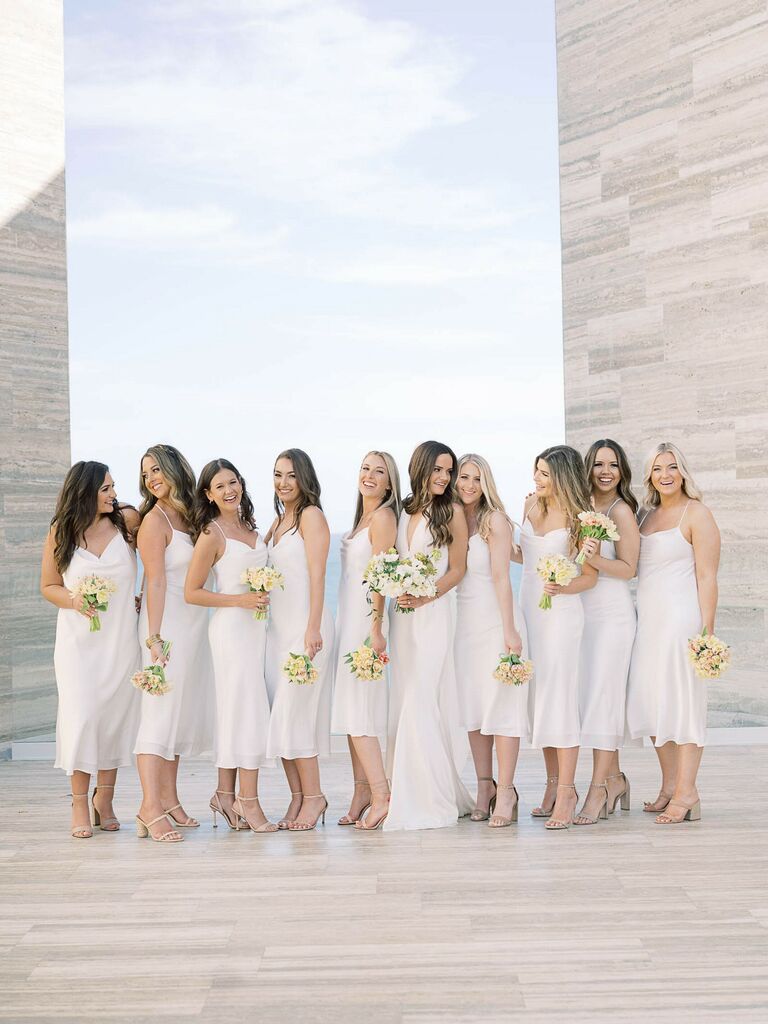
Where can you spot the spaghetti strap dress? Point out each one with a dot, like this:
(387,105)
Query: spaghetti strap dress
(666,699)
(98,711)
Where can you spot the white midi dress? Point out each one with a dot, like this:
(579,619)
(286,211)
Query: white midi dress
(300,722)
(606,650)
(98,709)
(426,746)
(180,722)
(666,699)
(238,645)
(554,644)
(359,707)
(487,705)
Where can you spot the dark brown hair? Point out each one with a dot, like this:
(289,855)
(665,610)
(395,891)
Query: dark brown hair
(306,478)
(205,510)
(438,508)
(180,476)
(76,509)
(624,488)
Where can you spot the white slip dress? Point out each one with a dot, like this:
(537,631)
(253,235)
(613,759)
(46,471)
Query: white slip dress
(300,722)
(98,711)
(606,650)
(666,699)
(238,645)
(180,722)
(359,707)
(554,644)
(487,705)
(426,746)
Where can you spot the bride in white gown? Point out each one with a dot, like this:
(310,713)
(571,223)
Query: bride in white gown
(426,746)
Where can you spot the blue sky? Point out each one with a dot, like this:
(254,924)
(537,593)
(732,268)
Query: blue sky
(315,223)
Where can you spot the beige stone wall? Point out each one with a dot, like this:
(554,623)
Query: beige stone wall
(34,382)
(664,194)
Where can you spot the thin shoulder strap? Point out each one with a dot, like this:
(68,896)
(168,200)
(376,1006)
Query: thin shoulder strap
(646,513)
(682,517)
(220,530)
(161,509)
(612,504)
(528,510)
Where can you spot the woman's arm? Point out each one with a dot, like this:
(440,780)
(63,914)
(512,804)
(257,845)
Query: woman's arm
(624,565)
(317,540)
(705,538)
(52,584)
(500,548)
(585,581)
(152,541)
(132,521)
(516,554)
(208,550)
(383,533)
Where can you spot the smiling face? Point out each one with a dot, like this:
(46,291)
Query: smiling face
(153,478)
(666,476)
(542,479)
(440,477)
(225,491)
(106,497)
(373,481)
(286,485)
(606,473)
(468,484)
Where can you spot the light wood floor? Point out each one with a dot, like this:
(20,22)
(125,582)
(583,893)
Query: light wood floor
(624,921)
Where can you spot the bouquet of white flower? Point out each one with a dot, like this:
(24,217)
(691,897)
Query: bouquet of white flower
(392,576)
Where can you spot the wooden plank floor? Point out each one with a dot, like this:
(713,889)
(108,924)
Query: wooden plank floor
(619,922)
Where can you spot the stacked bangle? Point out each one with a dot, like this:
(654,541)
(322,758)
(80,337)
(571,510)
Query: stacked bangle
(152,640)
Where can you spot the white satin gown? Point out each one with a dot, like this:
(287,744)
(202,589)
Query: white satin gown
(426,746)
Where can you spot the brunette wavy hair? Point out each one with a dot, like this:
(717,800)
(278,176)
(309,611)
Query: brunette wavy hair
(181,479)
(624,488)
(569,485)
(205,510)
(306,478)
(438,508)
(76,508)
(391,497)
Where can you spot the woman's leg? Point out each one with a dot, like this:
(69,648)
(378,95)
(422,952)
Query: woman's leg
(368,753)
(550,793)
(667,755)
(507,750)
(102,799)
(81,813)
(361,794)
(224,797)
(248,802)
(565,804)
(482,755)
(313,802)
(169,794)
(685,793)
(294,784)
(604,777)
(151,768)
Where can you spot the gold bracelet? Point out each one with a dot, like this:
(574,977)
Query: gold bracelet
(152,640)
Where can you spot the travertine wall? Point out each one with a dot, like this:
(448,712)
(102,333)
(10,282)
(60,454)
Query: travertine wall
(664,194)
(34,383)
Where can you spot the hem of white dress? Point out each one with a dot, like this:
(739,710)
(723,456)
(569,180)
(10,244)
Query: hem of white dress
(250,764)
(511,734)
(602,742)
(90,769)
(561,742)
(171,753)
(699,741)
(387,827)
(342,730)
(291,755)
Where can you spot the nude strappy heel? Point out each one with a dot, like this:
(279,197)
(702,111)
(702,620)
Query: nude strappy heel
(362,824)
(189,823)
(498,820)
(143,830)
(478,814)
(215,805)
(345,818)
(266,826)
(555,824)
(545,812)
(602,811)
(305,826)
(105,824)
(81,831)
(649,806)
(287,822)
(692,813)
(623,796)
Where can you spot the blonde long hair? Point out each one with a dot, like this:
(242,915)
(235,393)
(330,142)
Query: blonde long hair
(392,495)
(651,497)
(181,479)
(570,488)
(490,501)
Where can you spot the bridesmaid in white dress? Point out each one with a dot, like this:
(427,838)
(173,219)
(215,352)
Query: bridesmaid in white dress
(360,708)
(98,707)
(609,630)
(551,526)
(178,723)
(299,623)
(676,599)
(227,545)
(487,625)
(426,746)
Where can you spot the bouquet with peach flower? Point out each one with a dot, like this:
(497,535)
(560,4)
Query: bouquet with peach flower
(299,669)
(96,591)
(152,679)
(555,569)
(598,526)
(364,663)
(261,581)
(513,670)
(709,656)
